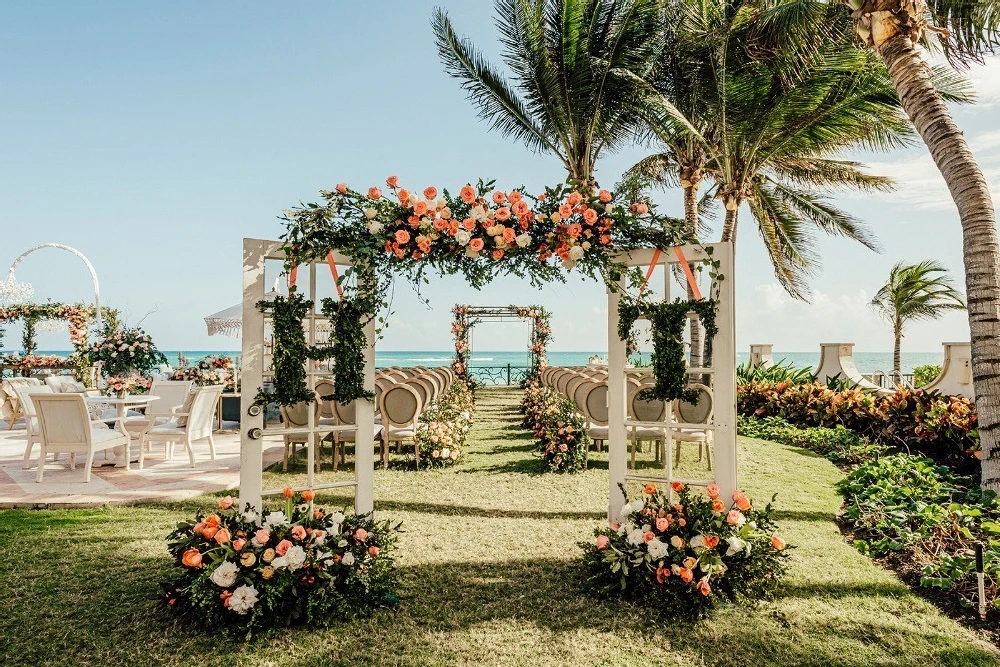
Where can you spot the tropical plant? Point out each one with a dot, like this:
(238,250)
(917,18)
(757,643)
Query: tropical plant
(782,371)
(924,374)
(580,75)
(913,292)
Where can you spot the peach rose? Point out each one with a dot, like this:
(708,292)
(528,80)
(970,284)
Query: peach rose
(662,523)
(677,542)
(662,574)
(509,235)
(502,213)
(686,575)
(317,514)
(209,532)
(519,207)
(283,547)
(499,197)
(198,527)
(404,196)
(718,505)
(476,244)
(574,229)
(239,543)
(734,517)
(223,536)
(373,551)
(440,224)
(498,254)
(213,521)
(360,535)
(467,194)
(514,197)
(392,182)
(420,208)
(574,199)
(342,188)
(565,210)
(778,543)
(262,536)
(374,193)
(703,587)
(468,224)
(402,236)
(605,239)
(191,558)
(603,542)
(226,502)
(590,215)
(604,196)
(648,536)
(288,492)
(299,533)
(713,490)
(743,503)
(711,541)
(308,495)
(430,192)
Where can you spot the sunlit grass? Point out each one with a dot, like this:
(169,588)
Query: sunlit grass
(487,579)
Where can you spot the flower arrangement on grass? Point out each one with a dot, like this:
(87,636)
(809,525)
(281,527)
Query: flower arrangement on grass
(132,384)
(126,351)
(686,555)
(444,427)
(461,327)
(242,572)
(559,427)
(541,334)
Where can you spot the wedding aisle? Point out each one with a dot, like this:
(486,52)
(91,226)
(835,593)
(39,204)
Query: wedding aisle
(486,578)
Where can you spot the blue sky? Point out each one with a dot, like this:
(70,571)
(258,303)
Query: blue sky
(155,136)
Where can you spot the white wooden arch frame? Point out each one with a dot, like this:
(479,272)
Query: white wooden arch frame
(257,252)
(722,371)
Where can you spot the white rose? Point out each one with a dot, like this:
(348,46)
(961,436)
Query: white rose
(370,213)
(295,556)
(585,245)
(440,201)
(275,519)
(568,264)
(523,240)
(697,542)
(469,252)
(609,208)
(225,575)
(478,213)
(736,545)
(657,549)
(376,227)
(348,559)
(635,537)
(576,253)
(336,518)
(243,599)
(463,237)
(251,516)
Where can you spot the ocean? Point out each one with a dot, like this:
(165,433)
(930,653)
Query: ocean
(867,362)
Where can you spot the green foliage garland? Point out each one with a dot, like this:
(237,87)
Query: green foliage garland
(348,317)
(668,321)
(290,350)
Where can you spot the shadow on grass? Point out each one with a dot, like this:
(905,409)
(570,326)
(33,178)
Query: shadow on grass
(803,515)
(485,512)
(889,589)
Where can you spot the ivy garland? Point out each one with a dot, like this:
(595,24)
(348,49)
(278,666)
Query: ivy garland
(348,317)
(290,351)
(667,322)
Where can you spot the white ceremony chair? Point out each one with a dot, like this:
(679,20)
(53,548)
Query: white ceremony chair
(171,396)
(698,412)
(401,407)
(27,409)
(188,427)
(297,416)
(643,410)
(347,416)
(66,428)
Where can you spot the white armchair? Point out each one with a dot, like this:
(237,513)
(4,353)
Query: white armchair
(187,427)
(171,396)
(27,408)
(66,428)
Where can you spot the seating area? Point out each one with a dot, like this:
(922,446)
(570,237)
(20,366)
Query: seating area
(401,396)
(649,423)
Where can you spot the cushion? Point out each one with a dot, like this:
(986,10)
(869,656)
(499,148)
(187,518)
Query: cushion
(72,387)
(186,408)
(170,428)
(105,436)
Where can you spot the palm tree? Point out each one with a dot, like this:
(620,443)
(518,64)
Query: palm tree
(964,30)
(914,292)
(579,75)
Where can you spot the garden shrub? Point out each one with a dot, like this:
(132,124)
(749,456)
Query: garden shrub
(559,427)
(686,555)
(925,374)
(838,444)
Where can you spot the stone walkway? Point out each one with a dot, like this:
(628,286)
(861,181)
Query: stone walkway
(159,481)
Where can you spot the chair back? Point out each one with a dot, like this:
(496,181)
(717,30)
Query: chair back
(596,403)
(171,394)
(400,405)
(325,387)
(199,424)
(424,388)
(697,412)
(24,393)
(647,410)
(64,421)
(346,413)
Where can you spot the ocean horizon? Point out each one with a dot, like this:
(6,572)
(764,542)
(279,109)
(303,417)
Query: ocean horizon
(867,362)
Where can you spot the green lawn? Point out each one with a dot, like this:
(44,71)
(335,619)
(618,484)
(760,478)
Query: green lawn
(487,579)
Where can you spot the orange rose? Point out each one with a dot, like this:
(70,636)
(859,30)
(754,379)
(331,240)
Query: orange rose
(213,521)
(476,244)
(703,587)
(288,492)
(226,502)
(318,514)
(420,208)
(778,543)
(467,194)
(590,215)
(342,188)
(374,193)
(198,527)
(605,239)
(520,207)
(430,193)
(404,196)
(662,523)
(224,596)
(373,551)
(424,243)
(649,489)
(574,230)
(453,227)
(686,575)
(392,181)
(299,533)
(498,197)
(191,558)
(565,210)
(440,224)
(498,254)
(718,505)
(743,503)
(209,532)
(509,235)
(574,199)
(402,237)
(604,196)
(662,574)
(223,536)
(502,213)
(677,487)
(308,495)
(514,197)
(468,224)
(648,536)
(283,547)
(711,541)
(239,543)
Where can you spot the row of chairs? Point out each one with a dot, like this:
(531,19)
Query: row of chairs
(587,388)
(401,396)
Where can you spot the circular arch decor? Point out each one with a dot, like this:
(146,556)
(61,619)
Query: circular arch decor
(78,316)
(481,234)
(467,317)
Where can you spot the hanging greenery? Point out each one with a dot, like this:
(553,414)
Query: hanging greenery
(667,321)
(348,317)
(290,351)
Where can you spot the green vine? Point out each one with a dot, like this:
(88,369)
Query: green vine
(348,317)
(667,321)
(290,351)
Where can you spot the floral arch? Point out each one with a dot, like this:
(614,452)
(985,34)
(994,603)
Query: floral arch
(365,238)
(465,318)
(78,316)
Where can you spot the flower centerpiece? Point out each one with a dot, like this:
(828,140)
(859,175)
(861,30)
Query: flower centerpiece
(687,554)
(126,352)
(240,572)
(122,386)
(210,371)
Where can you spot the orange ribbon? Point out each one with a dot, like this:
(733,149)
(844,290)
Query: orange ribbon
(333,272)
(649,272)
(292,276)
(692,283)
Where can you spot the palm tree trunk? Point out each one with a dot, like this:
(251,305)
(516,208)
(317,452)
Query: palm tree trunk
(897,364)
(691,223)
(911,77)
(729,227)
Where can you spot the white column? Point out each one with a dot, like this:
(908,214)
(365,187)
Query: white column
(617,443)
(724,363)
(364,492)
(251,449)
(761,354)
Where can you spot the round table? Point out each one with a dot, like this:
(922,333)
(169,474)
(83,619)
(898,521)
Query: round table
(121,404)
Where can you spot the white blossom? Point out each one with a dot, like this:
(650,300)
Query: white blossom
(225,574)
(635,537)
(576,253)
(736,545)
(376,227)
(348,559)
(657,549)
(275,519)
(370,213)
(523,240)
(463,237)
(243,599)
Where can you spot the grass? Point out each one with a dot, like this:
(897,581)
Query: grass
(487,579)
